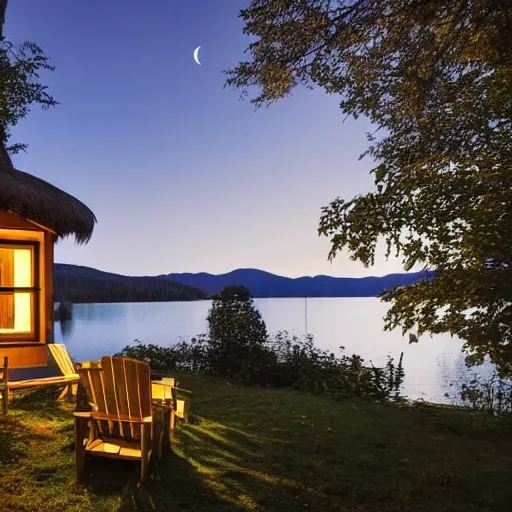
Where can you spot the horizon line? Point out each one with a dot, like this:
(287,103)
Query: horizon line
(245,269)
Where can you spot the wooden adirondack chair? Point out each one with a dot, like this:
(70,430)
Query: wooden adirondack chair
(121,424)
(69,377)
(180,405)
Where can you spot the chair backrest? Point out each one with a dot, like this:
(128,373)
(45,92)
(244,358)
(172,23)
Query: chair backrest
(127,387)
(170,381)
(120,387)
(61,356)
(164,388)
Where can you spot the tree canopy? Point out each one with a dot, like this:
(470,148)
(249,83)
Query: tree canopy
(435,79)
(236,335)
(20,87)
(233,320)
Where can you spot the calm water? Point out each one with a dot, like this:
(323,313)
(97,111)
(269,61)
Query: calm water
(432,366)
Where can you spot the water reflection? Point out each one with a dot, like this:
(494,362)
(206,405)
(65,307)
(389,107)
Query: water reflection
(356,323)
(66,329)
(63,318)
(102,313)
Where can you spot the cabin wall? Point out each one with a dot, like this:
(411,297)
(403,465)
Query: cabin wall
(26,354)
(49,240)
(10,221)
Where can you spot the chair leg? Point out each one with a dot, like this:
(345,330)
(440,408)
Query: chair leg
(145,444)
(159,420)
(167,433)
(69,392)
(5,400)
(186,408)
(172,421)
(80,435)
(64,393)
(6,373)
(182,408)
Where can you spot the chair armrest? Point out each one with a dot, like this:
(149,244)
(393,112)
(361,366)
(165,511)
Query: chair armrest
(158,383)
(85,414)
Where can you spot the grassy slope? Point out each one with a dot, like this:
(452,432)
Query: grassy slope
(250,449)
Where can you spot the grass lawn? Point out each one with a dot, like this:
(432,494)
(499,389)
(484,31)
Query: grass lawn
(253,449)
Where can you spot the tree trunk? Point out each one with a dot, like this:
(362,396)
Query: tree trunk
(3,7)
(5,160)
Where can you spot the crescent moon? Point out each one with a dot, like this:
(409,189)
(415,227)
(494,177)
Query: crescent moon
(196,55)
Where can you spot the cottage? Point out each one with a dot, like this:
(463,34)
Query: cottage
(33,215)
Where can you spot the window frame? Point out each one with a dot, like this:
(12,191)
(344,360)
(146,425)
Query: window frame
(34,334)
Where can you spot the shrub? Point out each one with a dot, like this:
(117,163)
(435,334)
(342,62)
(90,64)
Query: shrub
(285,361)
(159,358)
(237,336)
(303,366)
(191,356)
(490,394)
(238,347)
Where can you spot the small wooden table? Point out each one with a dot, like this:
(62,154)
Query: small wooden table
(181,406)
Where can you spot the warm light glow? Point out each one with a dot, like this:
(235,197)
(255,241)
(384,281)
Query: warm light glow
(22,312)
(22,277)
(22,267)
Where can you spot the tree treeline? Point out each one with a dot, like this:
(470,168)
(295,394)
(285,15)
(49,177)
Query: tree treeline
(85,285)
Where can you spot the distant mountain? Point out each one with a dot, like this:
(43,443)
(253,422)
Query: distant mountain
(264,284)
(83,284)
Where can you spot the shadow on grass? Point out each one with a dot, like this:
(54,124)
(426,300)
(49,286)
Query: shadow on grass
(14,439)
(173,485)
(212,467)
(251,471)
(43,402)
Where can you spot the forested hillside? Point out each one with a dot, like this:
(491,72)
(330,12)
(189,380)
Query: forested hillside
(83,284)
(264,284)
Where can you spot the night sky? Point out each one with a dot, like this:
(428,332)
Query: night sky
(182,176)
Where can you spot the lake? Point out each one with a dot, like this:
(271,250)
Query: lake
(432,367)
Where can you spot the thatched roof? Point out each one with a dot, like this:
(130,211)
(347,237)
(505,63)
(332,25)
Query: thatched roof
(36,200)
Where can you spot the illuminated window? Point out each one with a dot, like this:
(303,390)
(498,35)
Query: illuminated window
(19,292)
